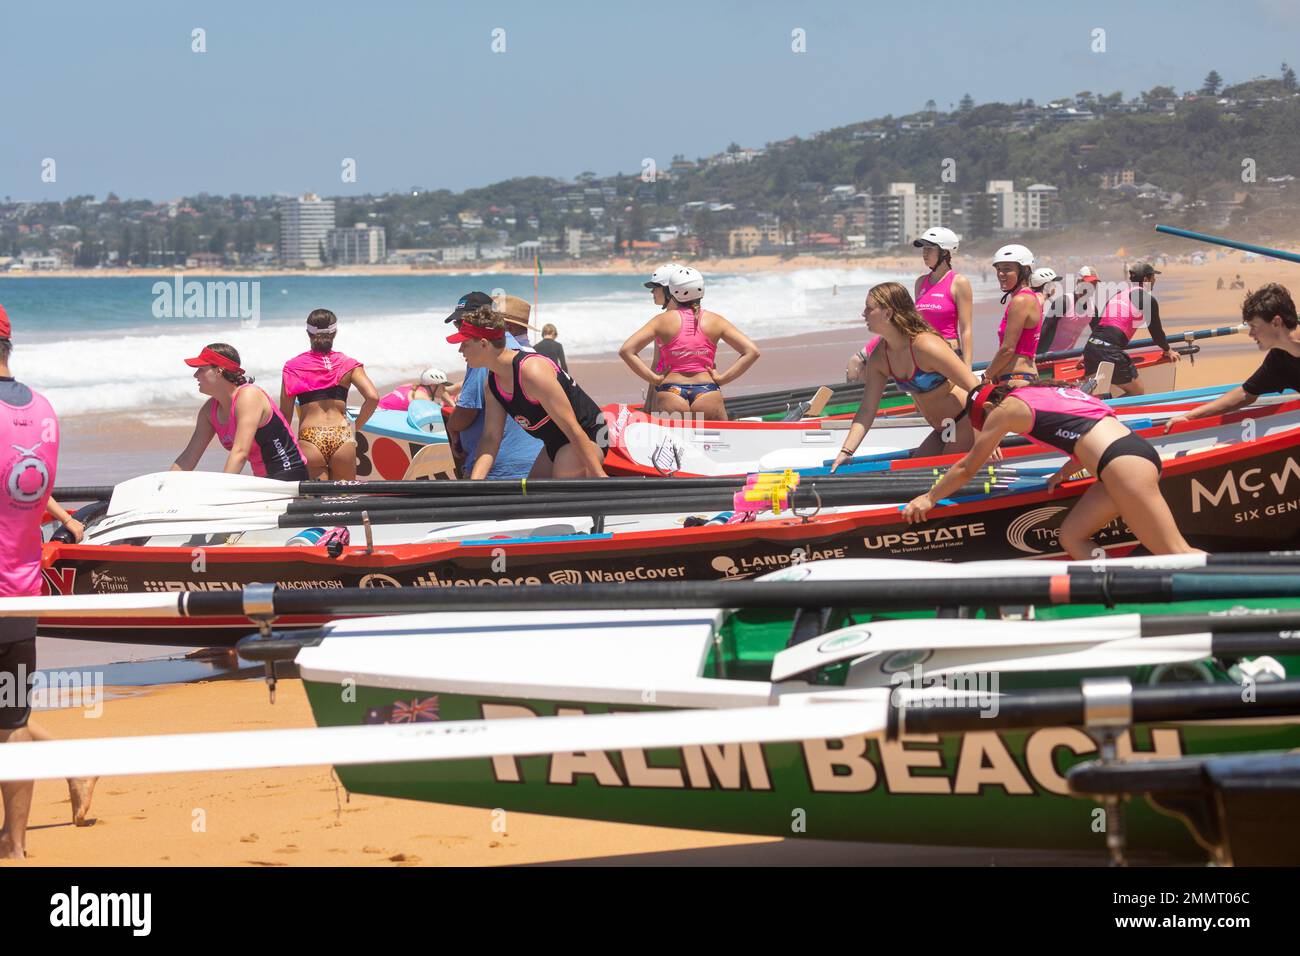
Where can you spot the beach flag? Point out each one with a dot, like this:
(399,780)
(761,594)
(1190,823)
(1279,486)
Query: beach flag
(537,263)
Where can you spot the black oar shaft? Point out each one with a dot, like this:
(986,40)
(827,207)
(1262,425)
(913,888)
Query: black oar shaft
(1067,707)
(910,594)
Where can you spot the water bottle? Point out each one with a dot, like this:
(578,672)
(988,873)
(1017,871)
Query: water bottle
(308,537)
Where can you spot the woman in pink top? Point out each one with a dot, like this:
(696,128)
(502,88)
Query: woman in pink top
(1022,320)
(243,418)
(943,296)
(688,340)
(318,380)
(1058,415)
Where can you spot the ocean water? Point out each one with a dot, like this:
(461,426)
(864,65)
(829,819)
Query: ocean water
(95,345)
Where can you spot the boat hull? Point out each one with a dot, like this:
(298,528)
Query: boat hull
(1002,789)
(1245,497)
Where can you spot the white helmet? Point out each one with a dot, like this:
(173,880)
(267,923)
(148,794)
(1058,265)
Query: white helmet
(939,236)
(686,285)
(1041,276)
(661,275)
(1014,253)
(433,376)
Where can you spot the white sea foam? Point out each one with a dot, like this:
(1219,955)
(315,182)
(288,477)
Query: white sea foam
(144,371)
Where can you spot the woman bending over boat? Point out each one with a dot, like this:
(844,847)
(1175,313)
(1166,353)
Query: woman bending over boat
(244,419)
(688,344)
(1022,320)
(1056,414)
(544,400)
(318,380)
(924,366)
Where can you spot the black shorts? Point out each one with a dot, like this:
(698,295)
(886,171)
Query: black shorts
(1107,345)
(17,668)
(1130,444)
(554,439)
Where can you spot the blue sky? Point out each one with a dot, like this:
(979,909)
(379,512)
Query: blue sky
(414,93)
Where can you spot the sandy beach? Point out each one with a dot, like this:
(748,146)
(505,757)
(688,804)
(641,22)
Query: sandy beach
(300,817)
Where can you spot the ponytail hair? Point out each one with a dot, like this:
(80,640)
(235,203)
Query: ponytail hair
(322,342)
(230,352)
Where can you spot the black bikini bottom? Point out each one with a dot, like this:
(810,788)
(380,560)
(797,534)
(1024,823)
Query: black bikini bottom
(1130,444)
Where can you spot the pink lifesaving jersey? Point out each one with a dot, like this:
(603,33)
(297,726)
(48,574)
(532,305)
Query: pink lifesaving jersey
(399,399)
(1061,415)
(29,452)
(690,350)
(312,372)
(1028,343)
(1069,326)
(937,306)
(274,448)
(1121,313)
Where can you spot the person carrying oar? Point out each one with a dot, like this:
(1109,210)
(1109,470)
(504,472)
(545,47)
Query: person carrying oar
(242,416)
(29,455)
(1270,317)
(1058,415)
(923,365)
(1022,320)
(543,400)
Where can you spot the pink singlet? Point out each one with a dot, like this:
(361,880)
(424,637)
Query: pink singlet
(1069,326)
(690,350)
(1121,313)
(1028,343)
(274,449)
(937,306)
(29,453)
(398,399)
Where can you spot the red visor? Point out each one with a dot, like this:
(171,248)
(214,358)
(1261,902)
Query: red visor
(5,330)
(209,357)
(465,331)
(977,400)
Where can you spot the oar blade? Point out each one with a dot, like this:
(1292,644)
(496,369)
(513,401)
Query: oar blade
(451,740)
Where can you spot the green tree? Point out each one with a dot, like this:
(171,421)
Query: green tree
(1288,79)
(1212,84)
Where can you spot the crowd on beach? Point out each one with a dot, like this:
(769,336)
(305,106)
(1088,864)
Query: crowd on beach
(518,412)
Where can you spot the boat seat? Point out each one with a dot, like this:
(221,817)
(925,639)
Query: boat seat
(431,462)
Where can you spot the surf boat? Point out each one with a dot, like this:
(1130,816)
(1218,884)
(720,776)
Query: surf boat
(1226,494)
(836,720)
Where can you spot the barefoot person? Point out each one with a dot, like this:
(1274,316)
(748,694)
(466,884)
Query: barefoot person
(1058,415)
(1270,317)
(924,366)
(532,390)
(29,454)
(1022,320)
(688,340)
(319,380)
(943,296)
(1124,313)
(243,418)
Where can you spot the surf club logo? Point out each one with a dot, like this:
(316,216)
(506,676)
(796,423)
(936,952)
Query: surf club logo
(843,641)
(28,478)
(209,300)
(1036,532)
(379,581)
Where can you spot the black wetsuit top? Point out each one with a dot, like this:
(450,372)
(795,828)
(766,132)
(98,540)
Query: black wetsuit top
(534,419)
